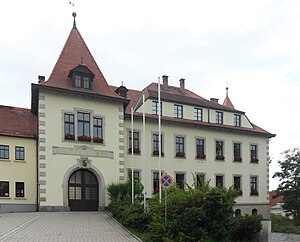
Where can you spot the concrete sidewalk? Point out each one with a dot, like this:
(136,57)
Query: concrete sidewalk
(62,226)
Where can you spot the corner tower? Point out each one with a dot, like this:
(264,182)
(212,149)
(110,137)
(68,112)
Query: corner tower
(80,131)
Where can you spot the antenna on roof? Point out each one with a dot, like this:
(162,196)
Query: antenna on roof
(74,23)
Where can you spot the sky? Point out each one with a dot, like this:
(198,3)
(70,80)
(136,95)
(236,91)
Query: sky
(253,47)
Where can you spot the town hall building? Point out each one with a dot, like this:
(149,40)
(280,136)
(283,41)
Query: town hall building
(77,139)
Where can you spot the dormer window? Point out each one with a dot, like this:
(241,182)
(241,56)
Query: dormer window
(82,77)
(82,81)
(77,81)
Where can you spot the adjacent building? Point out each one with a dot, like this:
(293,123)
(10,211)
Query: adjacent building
(18,160)
(80,140)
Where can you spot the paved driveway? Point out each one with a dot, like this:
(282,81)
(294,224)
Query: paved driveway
(62,226)
(281,237)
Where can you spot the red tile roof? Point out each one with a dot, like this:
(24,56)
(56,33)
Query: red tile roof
(18,122)
(76,52)
(274,201)
(173,94)
(227,102)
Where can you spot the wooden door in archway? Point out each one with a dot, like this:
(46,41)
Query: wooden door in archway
(83,191)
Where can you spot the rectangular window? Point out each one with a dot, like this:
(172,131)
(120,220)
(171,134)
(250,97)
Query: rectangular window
(77,81)
(178,111)
(4,189)
(237,152)
(20,189)
(156,145)
(219,180)
(97,130)
(136,142)
(20,153)
(69,126)
(200,179)
(237,120)
(219,117)
(86,82)
(136,176)
(198,114)
(180,146)
(84,127)
(200,153)
(155,107)
(180,180)
(220,150)
(253,151)
(253,186)
(4,152)
(237,184)
(156,178)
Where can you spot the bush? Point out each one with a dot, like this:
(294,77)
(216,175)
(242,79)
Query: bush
(121,207)
(195,214)
(283,224)
(246,228)
(203,214)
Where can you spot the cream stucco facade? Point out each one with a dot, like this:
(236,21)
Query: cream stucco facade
(190,166)
(18,170)
(59,158)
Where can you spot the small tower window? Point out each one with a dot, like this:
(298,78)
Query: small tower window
(77,81)
(81,77)
(86,82)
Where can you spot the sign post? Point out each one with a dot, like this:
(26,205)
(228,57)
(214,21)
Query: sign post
(166,182)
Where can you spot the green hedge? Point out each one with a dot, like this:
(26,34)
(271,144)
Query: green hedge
(283,224)
(195,214)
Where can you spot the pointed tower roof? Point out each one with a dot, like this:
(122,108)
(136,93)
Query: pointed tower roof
(76,53)
(227,102)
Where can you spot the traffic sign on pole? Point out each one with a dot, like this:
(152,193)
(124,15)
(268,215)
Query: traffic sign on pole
(166,181)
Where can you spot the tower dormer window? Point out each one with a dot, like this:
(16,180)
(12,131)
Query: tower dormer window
(82,81)
(77,81)
(81,77)
(86,82)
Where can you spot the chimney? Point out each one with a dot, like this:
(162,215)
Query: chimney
(182,88)
(41,79)
(215,100)
(165,83)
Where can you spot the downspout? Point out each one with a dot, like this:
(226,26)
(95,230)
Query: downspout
(208,118)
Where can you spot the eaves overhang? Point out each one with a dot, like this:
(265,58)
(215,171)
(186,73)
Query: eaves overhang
(21,135)
(201,125)
(35,90)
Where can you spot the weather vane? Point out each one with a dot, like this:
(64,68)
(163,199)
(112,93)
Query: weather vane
(72,3)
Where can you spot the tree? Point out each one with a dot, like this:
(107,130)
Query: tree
(289,187)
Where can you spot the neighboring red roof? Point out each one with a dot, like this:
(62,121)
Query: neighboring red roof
(274,201)
(18,122)
(76,52)
(173,94)
(227,102)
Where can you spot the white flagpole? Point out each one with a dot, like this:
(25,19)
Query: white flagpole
(144,152)
(132,180)
(159,136)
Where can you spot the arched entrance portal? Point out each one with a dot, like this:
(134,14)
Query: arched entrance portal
(83,191)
